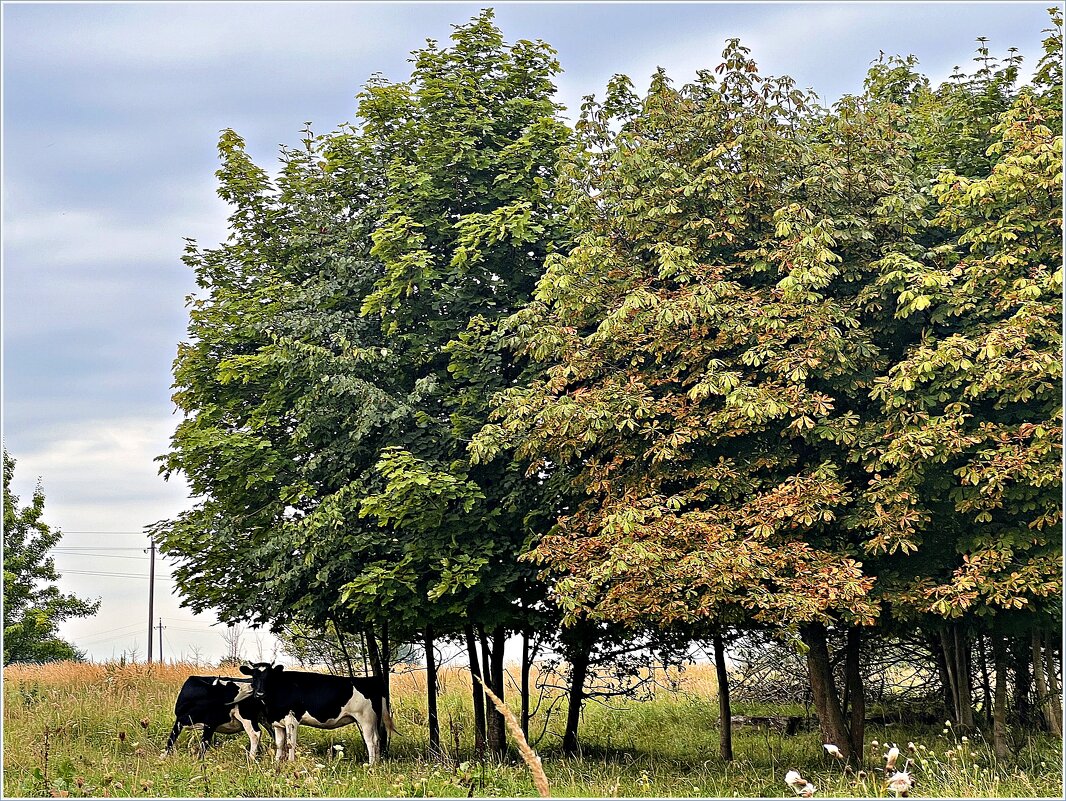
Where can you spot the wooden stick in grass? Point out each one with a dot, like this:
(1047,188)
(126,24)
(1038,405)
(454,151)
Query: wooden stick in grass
(529,756)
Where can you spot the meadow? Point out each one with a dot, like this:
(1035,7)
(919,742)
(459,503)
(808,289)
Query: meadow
(88,730)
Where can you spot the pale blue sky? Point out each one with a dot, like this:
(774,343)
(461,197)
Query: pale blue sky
(111,116)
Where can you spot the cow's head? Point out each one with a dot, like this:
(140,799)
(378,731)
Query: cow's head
(261,673)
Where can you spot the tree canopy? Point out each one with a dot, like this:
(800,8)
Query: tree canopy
(718,356)
(33,604)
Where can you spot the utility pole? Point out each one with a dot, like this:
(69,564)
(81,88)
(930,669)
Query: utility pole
(151,602)
(161,641)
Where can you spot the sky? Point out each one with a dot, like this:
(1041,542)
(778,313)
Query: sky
(111,115)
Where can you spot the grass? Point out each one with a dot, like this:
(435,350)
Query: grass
(74,730)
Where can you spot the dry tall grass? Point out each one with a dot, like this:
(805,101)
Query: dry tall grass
(82,730)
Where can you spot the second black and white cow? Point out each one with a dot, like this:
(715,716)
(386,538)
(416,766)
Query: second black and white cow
(217,704)
(291,697)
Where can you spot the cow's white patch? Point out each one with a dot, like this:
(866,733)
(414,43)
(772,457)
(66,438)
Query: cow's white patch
(356,708)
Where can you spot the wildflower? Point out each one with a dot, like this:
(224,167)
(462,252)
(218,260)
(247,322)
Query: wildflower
(808,790)
(891,757)
(965,739)
(912,747)
(874,744)
(144,723)
(122,736)
(794,780)
(832,750)
(900,783)
(947,723)
(339,748)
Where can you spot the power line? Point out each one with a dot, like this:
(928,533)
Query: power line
(108,631)
(122,533)
(97,555)
(114,575)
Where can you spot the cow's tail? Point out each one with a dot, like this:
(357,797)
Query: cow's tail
(386,718)
(173,738)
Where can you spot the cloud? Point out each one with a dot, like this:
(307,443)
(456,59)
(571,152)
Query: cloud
(99,474)
(177,35)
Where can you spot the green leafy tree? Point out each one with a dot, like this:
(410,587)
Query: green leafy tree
(704,366)
(343,350)
(33,604)
(731,368)
(469,217)
(967,457)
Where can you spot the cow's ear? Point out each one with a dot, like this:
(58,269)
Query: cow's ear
(278,668)
(246,670)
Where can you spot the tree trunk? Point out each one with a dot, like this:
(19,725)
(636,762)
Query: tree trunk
(965,675)
(386,661)
(1023,682)
(433,721)
(374,654)
(1041,682)
(580,666)
(478,692)
(525,684)
(956,656)
(986,681)
(1054,695)
(823,690)
(999,709)
(494,674)
(936,646)
(856,693)
(499,679)
(344,648)
(378,671)
(725,715)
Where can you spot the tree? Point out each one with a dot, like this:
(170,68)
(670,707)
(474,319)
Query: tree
(969,444)
(699,357)
(469,218)
(740,365)
(33,605)
(343,351)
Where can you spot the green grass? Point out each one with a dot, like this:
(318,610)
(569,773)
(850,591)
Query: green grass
(77,730)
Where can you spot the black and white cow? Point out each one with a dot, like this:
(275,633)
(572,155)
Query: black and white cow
(321,700)
(217,704)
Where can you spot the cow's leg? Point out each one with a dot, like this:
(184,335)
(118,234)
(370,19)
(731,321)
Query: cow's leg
(291,725)
(173,738)
(279,739)
(251,728)
(368,726)
(205,742)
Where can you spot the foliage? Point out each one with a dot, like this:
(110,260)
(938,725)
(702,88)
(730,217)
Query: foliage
(33,604)
(703,358)
(344,350)
(797,377)
(968,447)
